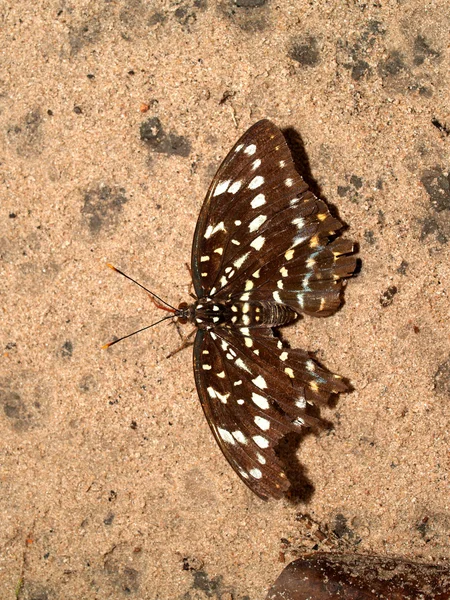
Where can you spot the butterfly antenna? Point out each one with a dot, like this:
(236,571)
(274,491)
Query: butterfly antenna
(135,332)
(152,295)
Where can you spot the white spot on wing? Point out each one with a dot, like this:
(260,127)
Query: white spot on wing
(235,187)
(260,382)
(284,356)
(262,423)
(299,222)
(299,239)
(241,364)
(212,230)
(258,200)
(256,223)
(260,401)
(250,150)
(261,441)
(241,260)
(300,402)
(239,148)
(239,436)
(222,397)
(288,182)
(260,458)
(256,164)
(226,436)
(204,258)
(258,243)
(221,187)
(206,367)
(289,254)
(256,182)
(276,297)
(256,473)
(310,366)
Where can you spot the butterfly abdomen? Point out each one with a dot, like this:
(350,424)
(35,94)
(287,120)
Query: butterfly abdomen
(210,314)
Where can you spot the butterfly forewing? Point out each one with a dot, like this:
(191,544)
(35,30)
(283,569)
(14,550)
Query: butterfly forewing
(263,237)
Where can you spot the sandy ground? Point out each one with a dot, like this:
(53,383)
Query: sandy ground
(111,483)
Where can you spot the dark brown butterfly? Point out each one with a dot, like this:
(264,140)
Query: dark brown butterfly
(262,255)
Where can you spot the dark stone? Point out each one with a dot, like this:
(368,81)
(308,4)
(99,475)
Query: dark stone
(369,237)
(392,66)
(360,69)
(155,19)
(152,132)
(109,519)
(67,349)
(437,185)
(442,128)
(387,297)
(250,3)
(402,268)
(102,205)
(356,182)
(422,50)
(305,51)
(342,190)
(442,378)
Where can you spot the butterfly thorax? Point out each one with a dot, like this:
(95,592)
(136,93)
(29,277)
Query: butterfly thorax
(207,313)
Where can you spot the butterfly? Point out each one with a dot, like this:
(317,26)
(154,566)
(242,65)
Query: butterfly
(264,253)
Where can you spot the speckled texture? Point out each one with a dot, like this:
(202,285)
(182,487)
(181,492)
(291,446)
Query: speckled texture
(111,484)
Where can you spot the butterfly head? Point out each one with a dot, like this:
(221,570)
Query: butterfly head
(185,313)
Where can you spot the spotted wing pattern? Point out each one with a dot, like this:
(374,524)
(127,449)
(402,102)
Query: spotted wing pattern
(263,232)
(262,236)
(256,392)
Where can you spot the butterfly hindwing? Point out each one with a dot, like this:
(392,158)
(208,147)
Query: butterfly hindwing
(254,391)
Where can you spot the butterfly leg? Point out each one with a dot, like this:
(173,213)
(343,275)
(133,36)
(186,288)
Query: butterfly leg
(187,341)
(191,285)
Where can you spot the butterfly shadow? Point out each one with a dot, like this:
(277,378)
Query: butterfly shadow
(300,157)
(302,489)
(302,164)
